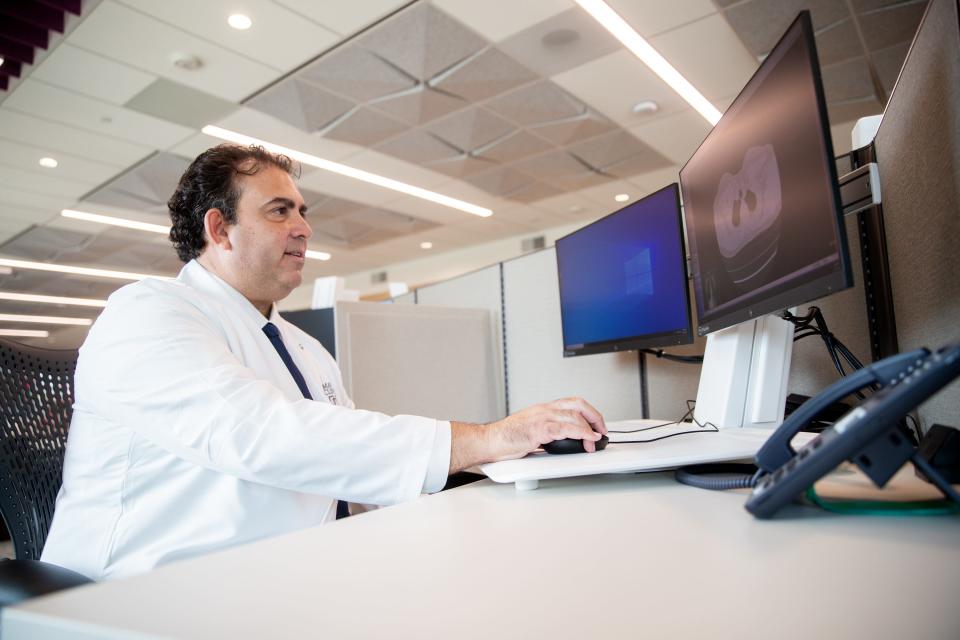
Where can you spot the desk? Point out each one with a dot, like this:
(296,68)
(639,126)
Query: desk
(615,556)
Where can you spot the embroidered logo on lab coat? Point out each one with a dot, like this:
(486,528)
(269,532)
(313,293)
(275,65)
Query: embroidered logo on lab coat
(329,391)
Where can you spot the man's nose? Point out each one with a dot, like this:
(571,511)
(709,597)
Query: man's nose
(302,228)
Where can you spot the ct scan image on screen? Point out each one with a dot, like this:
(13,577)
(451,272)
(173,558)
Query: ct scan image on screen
(759,194)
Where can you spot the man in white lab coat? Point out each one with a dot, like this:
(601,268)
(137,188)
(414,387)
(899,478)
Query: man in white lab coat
(204,420)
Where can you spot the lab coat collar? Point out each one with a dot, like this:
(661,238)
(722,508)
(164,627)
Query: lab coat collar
(196,276)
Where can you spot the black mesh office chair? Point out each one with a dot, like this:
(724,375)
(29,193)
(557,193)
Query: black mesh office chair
(36,403)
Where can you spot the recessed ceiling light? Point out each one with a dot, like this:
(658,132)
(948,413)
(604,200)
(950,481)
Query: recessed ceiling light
(645,107)
(9,317)
(426,245)
(49,163)
(350,172)
(637,45)
(80,271)
(117,222)
(24,333)
(32,297)
(621,197)
(186,61)
(240,22)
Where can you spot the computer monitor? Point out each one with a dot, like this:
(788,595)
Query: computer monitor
(764,230)
(760,196)
(623,279)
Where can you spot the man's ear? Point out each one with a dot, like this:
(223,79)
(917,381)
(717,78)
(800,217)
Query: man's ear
(215,229)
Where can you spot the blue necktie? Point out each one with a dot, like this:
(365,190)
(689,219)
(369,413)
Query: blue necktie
(274,334)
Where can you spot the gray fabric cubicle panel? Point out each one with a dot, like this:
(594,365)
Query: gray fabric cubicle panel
(671,384)
(475,290)
(918,153)
(418,360)
(811,369)
(535,367)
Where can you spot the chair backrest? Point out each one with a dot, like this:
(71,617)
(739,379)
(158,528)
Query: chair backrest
(36,404)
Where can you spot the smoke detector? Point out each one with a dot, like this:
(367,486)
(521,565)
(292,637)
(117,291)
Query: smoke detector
(645,107)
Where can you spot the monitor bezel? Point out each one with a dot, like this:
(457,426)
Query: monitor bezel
(641,341)
(823,286)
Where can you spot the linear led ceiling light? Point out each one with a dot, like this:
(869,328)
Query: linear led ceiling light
(147,226)
(24,333)
(80,271)
(117,222)
(350,172)
(9,317)
(637,45)
(32,297)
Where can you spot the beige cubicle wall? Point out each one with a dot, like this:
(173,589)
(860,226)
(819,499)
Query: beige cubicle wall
(479,289)
(536,369)
(418,360)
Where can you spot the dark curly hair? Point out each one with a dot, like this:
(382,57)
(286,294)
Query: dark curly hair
(210,183)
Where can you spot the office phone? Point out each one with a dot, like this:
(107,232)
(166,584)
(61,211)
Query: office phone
(870,435)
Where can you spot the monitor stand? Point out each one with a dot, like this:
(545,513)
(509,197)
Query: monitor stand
(743,382)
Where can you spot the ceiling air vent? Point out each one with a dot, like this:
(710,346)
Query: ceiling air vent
(533,244)
(378,278)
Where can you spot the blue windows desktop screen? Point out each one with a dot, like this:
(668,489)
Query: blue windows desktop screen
(623,279)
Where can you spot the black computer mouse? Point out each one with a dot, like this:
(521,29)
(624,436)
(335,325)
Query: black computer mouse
(573,445)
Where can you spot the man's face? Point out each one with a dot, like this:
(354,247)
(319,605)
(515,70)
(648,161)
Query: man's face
(268,243)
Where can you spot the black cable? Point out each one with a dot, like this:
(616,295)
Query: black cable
(688,414)
(719,477)
(660,353)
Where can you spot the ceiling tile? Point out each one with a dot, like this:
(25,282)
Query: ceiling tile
(461,165)
(260,125)
(364,127)
(501,181)
(357,73)
(422,41)
(562,42)
(301,104)
(534,192)
(272,24)
(418,146)
(181,104)
(615,83)
(486,74)
(91,74)
(48,102)
(487,17)
(419,104)
(570,130)
(885,27)
(145,187)
(709,54)
(13,199)
(613,149)
(656,180)
(848,80)
(395,168)
(651,17)
(57,137)
(888,63)
(537,103)
(838,42)
(675,136)
(148,44)
(344,17)
(515,146)
(49,185)
(471,128)
(69,167)
(760,23)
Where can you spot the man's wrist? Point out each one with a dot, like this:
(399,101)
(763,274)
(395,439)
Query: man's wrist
(469,445)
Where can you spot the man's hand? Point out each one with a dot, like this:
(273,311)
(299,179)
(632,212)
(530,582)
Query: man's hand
(517,435)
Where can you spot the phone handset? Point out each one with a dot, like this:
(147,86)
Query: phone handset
(777,451)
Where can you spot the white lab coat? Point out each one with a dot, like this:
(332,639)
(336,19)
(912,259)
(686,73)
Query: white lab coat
(190,435)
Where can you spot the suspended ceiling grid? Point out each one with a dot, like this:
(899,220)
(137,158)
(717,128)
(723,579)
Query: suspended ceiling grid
(439,94)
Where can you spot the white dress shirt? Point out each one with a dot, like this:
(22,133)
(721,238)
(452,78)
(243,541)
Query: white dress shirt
(189,434)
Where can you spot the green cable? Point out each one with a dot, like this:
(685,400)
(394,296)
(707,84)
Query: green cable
(884,508)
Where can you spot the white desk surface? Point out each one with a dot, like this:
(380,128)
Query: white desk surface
(611,556)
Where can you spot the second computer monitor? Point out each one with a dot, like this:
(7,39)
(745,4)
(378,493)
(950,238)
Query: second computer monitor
(623,279)
(760,199)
